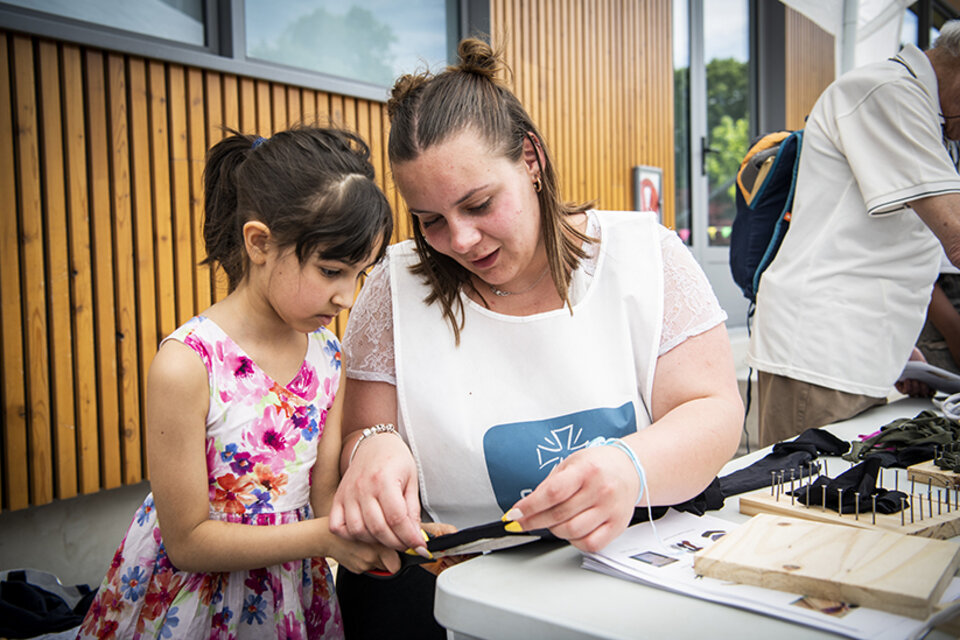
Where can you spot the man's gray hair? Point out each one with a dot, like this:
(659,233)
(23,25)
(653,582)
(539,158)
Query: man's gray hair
(949,38)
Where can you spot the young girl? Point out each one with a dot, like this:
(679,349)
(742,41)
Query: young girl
(243,418)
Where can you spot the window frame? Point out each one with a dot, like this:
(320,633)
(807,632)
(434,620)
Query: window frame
(225,49)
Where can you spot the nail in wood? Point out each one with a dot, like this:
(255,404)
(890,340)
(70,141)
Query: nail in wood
(856,505)
(874,499)
(840,502)
(902,516)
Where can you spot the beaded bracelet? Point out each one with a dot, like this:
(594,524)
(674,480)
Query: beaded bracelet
(372,431)
(620,444)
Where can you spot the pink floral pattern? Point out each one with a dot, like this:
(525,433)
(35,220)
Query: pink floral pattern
(261,447)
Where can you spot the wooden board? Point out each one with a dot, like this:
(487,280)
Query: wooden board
(891,572)
(925,472)
(942,524)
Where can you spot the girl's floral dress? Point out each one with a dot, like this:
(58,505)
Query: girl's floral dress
(261,446)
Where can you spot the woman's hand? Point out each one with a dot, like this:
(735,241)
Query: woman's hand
(587,499)
(378,498)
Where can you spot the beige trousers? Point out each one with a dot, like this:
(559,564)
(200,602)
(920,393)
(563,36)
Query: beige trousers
(788,407)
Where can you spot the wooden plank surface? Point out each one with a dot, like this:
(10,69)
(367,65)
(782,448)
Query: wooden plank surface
(125,273)
(81,271)
(57,255)
(151,152)
(197,149)
(891,572)
(40,451)
(179,169)
(14,479)
(105,329)
(928,472)
(150,224)
(930,519)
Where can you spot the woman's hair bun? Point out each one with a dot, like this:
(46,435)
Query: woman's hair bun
(478,57)
(403,89)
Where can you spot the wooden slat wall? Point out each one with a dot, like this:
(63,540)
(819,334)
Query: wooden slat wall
(809,66)
(597,78)
(101,157)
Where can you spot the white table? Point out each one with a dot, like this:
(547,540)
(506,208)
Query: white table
(542,592)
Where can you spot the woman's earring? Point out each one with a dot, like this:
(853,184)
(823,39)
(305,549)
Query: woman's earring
(537,185)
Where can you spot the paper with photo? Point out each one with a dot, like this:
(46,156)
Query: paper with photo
(663,558)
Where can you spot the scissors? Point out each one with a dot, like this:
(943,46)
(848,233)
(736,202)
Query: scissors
(492,536)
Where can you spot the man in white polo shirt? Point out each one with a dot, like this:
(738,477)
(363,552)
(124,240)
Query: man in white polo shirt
(840,308)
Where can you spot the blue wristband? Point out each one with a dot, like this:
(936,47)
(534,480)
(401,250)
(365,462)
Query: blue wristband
(620,444)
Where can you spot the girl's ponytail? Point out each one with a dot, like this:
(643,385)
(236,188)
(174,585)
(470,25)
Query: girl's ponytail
(314,188)
(222,222)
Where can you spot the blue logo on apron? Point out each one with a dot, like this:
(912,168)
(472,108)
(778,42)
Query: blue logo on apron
(519,455)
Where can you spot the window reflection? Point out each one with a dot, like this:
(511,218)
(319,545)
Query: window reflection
(726,51)
(178,20)
(368,40)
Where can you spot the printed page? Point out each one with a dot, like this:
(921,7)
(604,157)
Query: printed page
(934,377)
(661,556)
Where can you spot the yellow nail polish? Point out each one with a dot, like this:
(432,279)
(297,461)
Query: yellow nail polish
(426,536)
(513,527)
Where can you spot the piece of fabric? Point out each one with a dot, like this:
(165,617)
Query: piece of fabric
(689,307)
(787,407)
(844,300)
(794,459)
(855,490)
(399,607)
(261,443)
(28,609)
(487,419)
(916,438)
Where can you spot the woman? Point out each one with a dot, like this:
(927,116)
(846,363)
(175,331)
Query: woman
(513,330)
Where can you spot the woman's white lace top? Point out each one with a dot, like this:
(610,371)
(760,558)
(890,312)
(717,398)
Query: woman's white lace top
(690,307)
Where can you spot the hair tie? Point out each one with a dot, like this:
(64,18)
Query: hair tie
(257,142)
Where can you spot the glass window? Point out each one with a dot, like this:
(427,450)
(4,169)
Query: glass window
(372,41)
(909,28)
(681,119)
(178,20)
(726,46)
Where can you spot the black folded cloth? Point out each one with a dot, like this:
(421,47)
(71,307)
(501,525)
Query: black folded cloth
(795,455)
(28,610)
(858,484)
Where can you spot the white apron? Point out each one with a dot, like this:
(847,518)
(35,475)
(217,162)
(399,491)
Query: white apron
(487,420)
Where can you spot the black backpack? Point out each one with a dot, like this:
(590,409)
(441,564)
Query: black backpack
(765,187)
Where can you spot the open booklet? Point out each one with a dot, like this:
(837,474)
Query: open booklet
(663,558)
(934,377)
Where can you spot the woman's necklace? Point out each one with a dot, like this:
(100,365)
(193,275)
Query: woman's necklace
(502,293)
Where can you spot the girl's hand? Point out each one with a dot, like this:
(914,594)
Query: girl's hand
(587,499)
(378,497)
(360,556)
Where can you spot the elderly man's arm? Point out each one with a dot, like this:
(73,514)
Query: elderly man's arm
(942,214)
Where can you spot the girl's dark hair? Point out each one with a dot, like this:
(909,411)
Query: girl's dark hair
(426,110)
(313,187)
